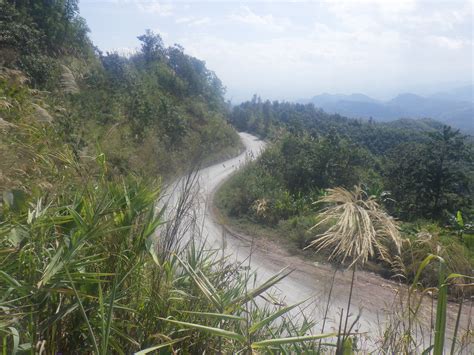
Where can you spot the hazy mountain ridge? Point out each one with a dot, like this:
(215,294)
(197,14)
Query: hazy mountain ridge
(454,107)
(463,93)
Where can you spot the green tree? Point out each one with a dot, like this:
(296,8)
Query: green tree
(447,153)
(428,179)
(152,46)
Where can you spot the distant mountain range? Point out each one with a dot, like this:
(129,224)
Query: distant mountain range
(454,107)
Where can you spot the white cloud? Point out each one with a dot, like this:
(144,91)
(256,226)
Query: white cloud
(400,23)
(267,22)
(200,21)
(181,20)
(438,20)
(449,43)
(158,7)
(155,7)
(388,8)
(193,21)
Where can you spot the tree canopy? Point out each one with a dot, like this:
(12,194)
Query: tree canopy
(425,167)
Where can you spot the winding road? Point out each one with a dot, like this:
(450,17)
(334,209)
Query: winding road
(373,298)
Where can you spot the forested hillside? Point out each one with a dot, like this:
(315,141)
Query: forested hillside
(420,171)
(154,112)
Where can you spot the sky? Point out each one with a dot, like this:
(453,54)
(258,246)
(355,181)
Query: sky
(289,50)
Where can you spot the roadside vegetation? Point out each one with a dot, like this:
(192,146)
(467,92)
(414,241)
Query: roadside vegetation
(84,268)
(419,172)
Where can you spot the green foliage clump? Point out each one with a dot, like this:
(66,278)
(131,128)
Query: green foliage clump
(155,113)
(433,178)
(290,175)
(35,35)
(81,269)
(424,238)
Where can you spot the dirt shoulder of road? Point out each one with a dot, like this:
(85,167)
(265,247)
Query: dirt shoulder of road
(274,244)
(371,290)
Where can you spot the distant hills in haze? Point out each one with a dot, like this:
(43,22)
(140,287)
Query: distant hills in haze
(453,107)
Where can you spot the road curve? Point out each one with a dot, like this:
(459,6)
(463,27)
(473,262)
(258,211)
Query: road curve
(307,281)
(373,296)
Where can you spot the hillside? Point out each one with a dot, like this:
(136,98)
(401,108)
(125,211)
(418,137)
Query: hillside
(156,112)
(463,93)
(364,152)
(454,108)
(418,171)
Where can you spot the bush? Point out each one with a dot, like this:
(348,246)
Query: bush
(425,239)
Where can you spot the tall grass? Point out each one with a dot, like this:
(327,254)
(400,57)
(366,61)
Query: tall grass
(356,228)
(73,265)
(91,266)
(414,328)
